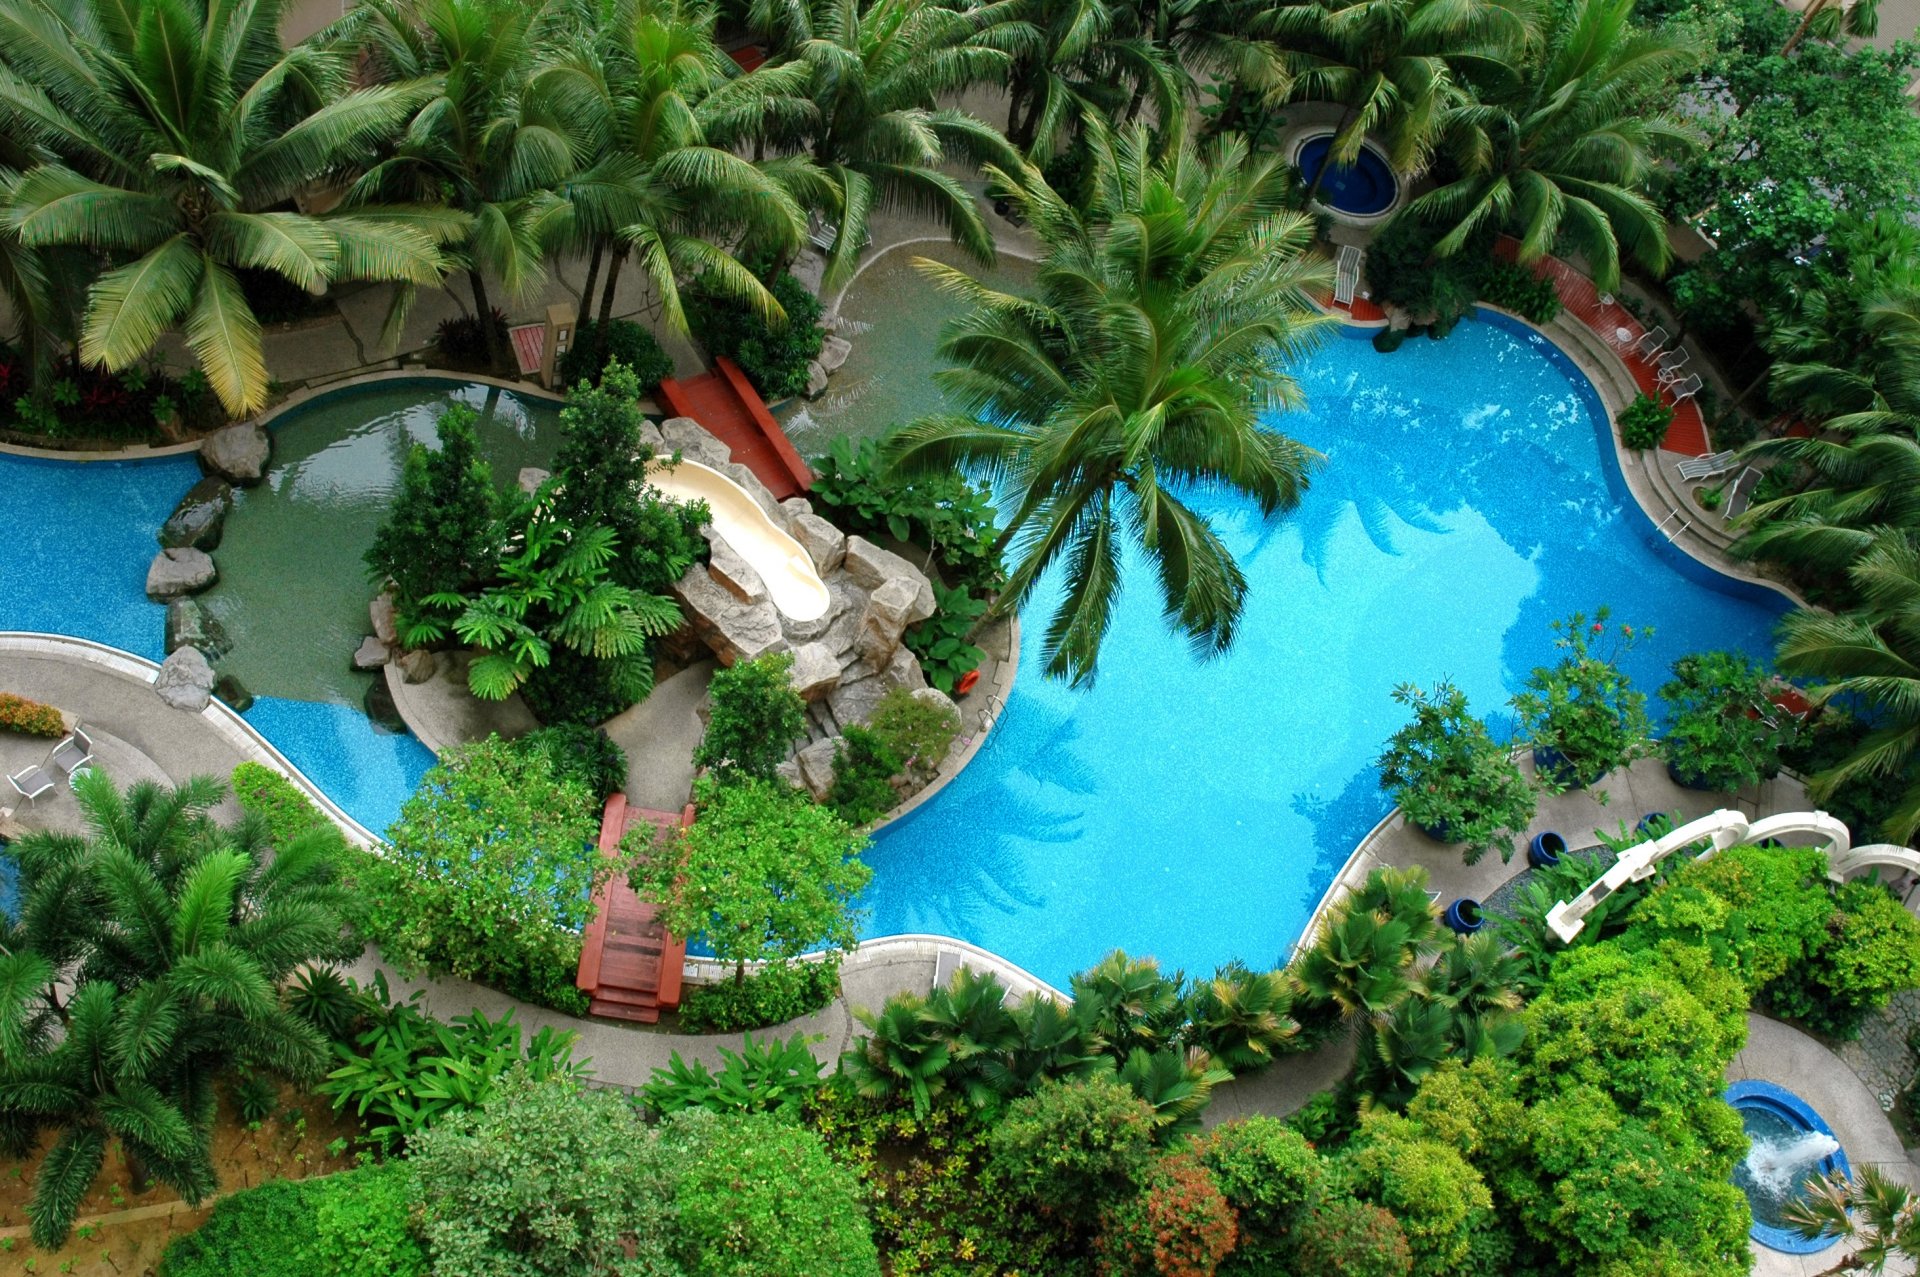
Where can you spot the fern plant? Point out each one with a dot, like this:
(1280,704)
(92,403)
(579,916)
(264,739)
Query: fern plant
(767,1076)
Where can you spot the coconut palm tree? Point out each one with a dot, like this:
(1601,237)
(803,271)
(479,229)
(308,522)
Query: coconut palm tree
(878,71)
(1069,57)
(1394,66)
(1871,654)
(147,958)
(182,129)
(1563,149)
(1145,365)
(1832,19)
(481,137)
(664,111)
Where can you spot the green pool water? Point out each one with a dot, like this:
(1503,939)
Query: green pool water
(293,590)
(892,314)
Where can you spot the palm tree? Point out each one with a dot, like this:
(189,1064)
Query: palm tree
(877,131)
(1861,489)
(662,107)
(1129,1003)
(1242,1017)
(1831,19)
(1393,65)
(176,164)
(147,958)
(481,137)
(1144,365)
(1872,1212)
(1068,58)
(1872,654)
(1564,148)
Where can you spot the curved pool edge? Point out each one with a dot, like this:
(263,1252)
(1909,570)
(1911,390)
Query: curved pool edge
(832,309)
(1301,136)
(1784,1103)
(241,735)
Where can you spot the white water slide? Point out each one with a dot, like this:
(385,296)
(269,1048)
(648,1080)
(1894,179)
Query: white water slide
(781,561)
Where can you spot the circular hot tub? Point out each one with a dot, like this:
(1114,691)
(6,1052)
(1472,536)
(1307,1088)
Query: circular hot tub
(1363,192)
(1789,1144)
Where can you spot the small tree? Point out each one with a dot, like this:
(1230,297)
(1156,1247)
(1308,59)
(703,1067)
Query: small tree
(1725,732)
(443,533)
(1272,1178)
(756,1196)
(762,875)
(1179,1225)
(490,872)
(544,1180)
(1450,778)
(756,718)
(1581,713)
(863,770)
(1076,1146)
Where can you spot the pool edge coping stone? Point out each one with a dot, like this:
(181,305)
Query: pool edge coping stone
(239,734)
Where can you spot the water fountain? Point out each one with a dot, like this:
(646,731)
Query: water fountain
(1790,1145)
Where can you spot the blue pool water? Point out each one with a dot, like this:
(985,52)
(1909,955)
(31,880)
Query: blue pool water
(1365,189)
(1197,812)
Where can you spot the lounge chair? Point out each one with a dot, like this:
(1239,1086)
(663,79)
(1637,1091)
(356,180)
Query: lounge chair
(73,753)
(31,783)
(1672,365)
(1740,493)
(1346,275)
(1685,388)
(1651,342)
(821,234)
(1706,467)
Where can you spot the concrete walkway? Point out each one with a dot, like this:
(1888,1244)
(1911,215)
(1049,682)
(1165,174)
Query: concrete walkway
(659,736)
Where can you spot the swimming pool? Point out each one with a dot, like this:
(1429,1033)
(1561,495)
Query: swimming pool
(1366,189)
(1198,812)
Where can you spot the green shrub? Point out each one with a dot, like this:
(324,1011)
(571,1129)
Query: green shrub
(1403,270)
(756,717)
(863,767)
(264,792)
(1723,732)
(353,1224)
(544,1180)
(1272,1178)
(1345,1238)
(918,732)
(1872,951)
(489,875)
(756,1196)
(623,341)
(1076,1146)
(775,994)
(1439,1199)
(1582,714)
(442,533)
(580,755)
(576,690)
(1179,1225)
(945,513)
(774,357)
(462,339)
(944,641)
(1447,774)
(768,1076)
(1643,423)
(30,718)
(1511,286)
(407,1070)
(1761,912)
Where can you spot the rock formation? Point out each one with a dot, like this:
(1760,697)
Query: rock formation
(237,453)
(199,518)
(178,572)
(185,680)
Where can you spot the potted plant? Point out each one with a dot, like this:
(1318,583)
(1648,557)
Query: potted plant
(1581,713)
(1464,916)
(1724,732)
(1450,778)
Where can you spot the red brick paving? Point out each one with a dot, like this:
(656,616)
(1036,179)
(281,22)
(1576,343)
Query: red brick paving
(726,405)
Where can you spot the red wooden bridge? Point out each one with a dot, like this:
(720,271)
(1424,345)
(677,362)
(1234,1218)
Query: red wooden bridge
(725,403)
(630,965)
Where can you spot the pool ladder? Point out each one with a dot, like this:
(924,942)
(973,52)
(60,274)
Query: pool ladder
(1672,514)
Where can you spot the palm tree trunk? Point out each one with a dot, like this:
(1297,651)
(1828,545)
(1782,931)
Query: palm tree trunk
(613,281)
(1016,91)
(1346,118)
(593,275)
(1806,20)
(496,357)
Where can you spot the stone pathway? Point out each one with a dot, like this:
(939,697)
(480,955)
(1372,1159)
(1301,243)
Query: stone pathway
(1882,1056)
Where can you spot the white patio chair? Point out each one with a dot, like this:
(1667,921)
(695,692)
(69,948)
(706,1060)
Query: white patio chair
(1706,467)
(1672,365)
(33,782)
(73,753)
(1651,342)
(1685,388)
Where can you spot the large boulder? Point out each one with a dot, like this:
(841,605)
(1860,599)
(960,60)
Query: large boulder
(178,572)
(690,439)
(185,680)
(816,380)
(816,766)
(884,620)
(530,479)
(199,518)
(188,625)
(237,453)
(825,544)
(371,654)
(378,702)
(750,481)
(903,670)
(732,630)
(233,693)
(872,567)
(417,666)
(854,701)
(833,353)
(731,572)
(816,670)
(380,613)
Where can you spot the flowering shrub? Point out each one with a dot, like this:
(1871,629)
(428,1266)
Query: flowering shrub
(1450,777)
(1179,1226)
(29,718)
(1582,714)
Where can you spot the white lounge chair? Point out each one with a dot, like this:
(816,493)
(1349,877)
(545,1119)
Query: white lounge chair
(33,782)
(1706,467)
(1685,388)
(1346,275)
(822,233)
(1651,342)
(73,753)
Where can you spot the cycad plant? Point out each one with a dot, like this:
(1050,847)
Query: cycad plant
(1145,365)
(1129,1003)
(877,131)
(148,957)
(1362,960)
(181,129)
(1176,1084)
(1876,1215)
(1241,1017)
(1564,150)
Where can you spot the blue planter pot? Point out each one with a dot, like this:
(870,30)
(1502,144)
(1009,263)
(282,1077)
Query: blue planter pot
(1439,833)
(1464,916)
(1687,780)
(1645,829)
(1545,850)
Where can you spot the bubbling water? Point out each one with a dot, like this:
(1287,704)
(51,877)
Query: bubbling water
(1777,1165)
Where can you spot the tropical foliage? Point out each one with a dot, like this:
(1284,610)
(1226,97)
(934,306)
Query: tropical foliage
(1446,773)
